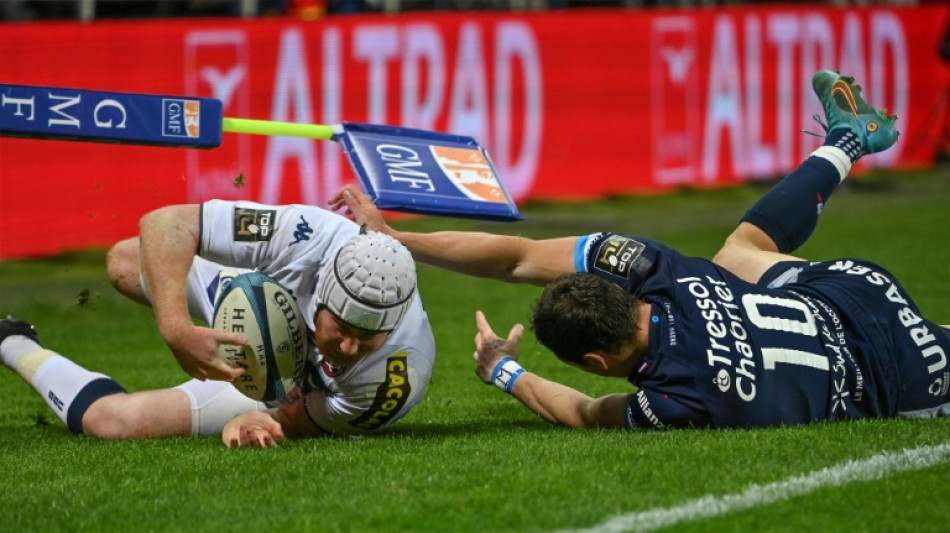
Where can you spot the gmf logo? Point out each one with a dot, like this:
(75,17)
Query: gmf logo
(192,117)
(181,118)
(469,170)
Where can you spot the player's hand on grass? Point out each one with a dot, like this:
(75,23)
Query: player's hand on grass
(253,429)
(490,348)
(196,350)
(359,207)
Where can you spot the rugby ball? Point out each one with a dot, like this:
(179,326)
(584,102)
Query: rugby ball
(261,309)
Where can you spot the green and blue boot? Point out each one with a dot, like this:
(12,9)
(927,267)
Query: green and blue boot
(844,108)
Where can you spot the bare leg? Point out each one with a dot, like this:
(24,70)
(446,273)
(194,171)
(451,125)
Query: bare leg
(122,263)
(140,415)
(91,402)
(782,219)
(785,217)
(748,252)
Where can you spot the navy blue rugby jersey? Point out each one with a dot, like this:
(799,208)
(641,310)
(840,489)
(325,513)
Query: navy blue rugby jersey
(727,353)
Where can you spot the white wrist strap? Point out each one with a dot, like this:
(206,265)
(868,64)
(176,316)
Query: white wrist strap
(505,374)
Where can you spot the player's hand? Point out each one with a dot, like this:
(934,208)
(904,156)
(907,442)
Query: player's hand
(490,348)
(359,208)
(253,429)
(196,350)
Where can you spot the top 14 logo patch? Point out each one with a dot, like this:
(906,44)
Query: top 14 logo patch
(253,225)
(617,254)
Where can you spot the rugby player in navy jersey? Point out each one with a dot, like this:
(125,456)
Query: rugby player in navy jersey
(755,337)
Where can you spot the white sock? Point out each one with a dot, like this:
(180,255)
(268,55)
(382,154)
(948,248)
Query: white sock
(838,157)
(16,346)
(67,388)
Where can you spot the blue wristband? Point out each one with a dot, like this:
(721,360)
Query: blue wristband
(505,373)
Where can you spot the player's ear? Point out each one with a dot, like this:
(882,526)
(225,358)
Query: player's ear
(596,359)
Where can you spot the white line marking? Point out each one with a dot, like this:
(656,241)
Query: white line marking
(755,495)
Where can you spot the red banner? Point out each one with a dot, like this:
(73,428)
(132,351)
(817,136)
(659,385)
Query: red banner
(569,103)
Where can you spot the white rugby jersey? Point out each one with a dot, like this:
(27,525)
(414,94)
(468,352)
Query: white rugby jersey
(291,244)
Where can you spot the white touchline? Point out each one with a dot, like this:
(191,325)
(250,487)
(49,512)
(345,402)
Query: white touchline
(755,495)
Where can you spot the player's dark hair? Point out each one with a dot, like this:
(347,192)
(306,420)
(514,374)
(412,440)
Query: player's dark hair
(579,313)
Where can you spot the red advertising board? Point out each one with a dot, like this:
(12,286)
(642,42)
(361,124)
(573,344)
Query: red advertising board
(570,104)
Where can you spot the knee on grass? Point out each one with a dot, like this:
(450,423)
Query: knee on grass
(139,415)
(122,264)
(106,419)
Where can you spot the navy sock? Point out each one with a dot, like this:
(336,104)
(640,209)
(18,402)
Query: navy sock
(90,392)
(789,211)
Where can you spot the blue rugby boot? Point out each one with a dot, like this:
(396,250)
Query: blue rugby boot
(844,108)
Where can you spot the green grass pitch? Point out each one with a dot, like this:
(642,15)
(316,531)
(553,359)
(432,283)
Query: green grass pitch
(469,458)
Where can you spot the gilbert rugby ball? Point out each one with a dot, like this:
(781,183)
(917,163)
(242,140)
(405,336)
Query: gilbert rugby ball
(262,310)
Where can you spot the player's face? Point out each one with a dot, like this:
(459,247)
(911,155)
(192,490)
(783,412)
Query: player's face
(342,344)
(611,365)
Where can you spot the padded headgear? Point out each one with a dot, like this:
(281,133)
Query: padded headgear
(370,282)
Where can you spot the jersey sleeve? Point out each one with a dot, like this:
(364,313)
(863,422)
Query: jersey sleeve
(648,409)
(630,262)
(267,238)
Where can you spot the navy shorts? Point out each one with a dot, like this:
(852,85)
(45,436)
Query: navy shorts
(909,351)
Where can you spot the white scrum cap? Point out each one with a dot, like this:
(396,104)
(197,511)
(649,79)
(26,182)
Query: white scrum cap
(370,282)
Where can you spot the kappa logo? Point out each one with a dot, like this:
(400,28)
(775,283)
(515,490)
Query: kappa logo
(253,225)
(303,231)
(616,255)
(181,118)
(470,172)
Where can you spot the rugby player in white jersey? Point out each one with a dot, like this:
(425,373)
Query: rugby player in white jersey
(370,356)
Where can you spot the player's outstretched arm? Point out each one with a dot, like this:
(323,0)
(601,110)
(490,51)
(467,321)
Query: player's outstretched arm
(496,364)
(508,258)
(169,240)
(562,405)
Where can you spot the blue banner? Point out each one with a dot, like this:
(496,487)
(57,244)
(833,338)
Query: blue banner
(125,118)
(426,172)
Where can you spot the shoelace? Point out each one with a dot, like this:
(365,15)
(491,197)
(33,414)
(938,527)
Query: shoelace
(824,126)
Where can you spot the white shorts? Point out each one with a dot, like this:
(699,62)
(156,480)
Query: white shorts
(214,404)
